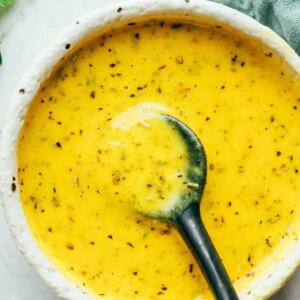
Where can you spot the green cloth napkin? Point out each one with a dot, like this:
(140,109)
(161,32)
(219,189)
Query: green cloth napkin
(283,16)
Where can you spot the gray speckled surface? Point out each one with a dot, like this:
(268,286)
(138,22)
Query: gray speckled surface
(25,29)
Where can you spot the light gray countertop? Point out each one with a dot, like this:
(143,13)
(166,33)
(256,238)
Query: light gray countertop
(25,29)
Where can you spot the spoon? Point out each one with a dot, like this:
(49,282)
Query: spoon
(184,214)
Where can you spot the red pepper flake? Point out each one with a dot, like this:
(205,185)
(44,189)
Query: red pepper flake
(110,236)
(58,144)
(191,268)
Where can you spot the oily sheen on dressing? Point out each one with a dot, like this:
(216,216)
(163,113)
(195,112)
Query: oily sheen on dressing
(83,166)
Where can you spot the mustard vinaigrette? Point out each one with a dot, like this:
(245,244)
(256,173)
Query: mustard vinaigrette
(79,173)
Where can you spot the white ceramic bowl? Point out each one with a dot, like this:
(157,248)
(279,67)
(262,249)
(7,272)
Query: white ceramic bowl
(84,30)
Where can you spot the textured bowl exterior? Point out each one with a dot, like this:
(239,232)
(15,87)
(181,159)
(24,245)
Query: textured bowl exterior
(98,22)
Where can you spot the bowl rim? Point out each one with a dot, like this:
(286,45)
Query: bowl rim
(92,24)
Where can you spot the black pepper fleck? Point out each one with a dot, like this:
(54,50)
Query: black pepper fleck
(93,94)
(13,187)
(70,246)
(234,58)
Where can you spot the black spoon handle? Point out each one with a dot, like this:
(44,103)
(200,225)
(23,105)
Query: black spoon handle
(196,237)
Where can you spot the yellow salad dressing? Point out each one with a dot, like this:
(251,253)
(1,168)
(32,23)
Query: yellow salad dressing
(92,149)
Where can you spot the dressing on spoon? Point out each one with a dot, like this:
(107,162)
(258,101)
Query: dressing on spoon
(183,210)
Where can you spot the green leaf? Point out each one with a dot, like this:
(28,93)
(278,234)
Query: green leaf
(0,59)
(6,2)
